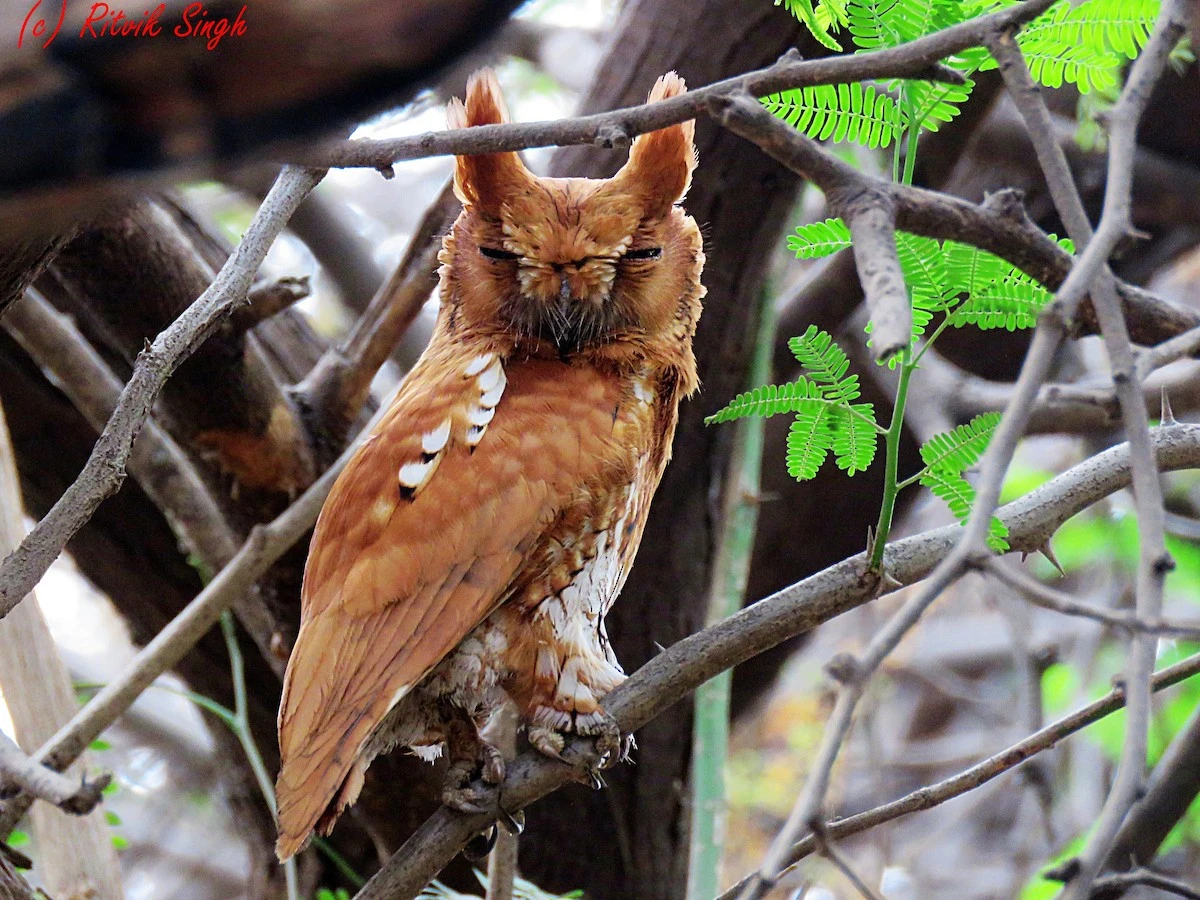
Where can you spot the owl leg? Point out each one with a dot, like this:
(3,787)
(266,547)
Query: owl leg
(570,705)
(470,755)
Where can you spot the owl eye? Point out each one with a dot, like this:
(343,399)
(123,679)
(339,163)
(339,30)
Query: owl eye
(644,253)
(497,253)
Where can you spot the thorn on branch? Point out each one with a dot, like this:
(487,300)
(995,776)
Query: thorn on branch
(1009,203)
(612,136)
(268,300)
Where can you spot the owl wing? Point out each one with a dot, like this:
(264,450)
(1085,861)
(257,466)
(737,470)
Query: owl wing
(420,539)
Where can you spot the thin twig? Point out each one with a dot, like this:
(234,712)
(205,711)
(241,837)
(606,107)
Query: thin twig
(1056,601)
(269,300)
(1154,562)
(670,676)
(985,770)
(1156,357)
(826,848)
(920,59)
(105,469)
(1144,878)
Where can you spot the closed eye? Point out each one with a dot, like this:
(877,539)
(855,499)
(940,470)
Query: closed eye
(497,253)
(644,253)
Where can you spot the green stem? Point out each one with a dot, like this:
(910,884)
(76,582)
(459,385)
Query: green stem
(241,728)
(892,464)
(731,566)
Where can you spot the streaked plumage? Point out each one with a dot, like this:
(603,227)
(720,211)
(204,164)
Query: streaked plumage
(472,546)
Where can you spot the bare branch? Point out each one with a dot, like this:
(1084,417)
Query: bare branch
(105,468)
(338,384)
(873,227)
(986,770)
(165,472)
(19,772)
(675,672)
(268,300)
(916,59)
(1145,878)
(262,548)
(1056,601)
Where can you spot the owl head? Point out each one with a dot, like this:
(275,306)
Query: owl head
(575,265)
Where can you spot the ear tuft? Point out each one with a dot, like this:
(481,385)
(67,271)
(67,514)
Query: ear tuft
(484,180)
(661,162)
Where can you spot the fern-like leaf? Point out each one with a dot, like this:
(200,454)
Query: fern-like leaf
(853,112)
(855,438)
(818,239)
(1009,305)
(826,363)
(958,450)
(952,488)
(809,440)
(819,19)
(768,400)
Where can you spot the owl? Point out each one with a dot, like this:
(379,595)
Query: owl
(468,553)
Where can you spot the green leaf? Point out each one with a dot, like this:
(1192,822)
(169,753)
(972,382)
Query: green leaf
(952,488)
(818,239)
(769,400)
(854,112)
(809,441)
(112,818)
(99,745)
(819,19)
(826,364)
(1002,305)
(855,439)
(960,449)
(17,838)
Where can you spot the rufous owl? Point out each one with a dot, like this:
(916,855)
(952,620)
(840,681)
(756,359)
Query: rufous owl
(468,553)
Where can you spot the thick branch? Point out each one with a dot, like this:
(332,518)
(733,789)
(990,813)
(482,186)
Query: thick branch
(105,469)
(680,668)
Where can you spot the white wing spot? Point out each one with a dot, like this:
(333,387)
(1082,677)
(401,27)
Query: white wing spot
(480,416)
(491,382)
(491,376)
(414,474)
(435,441)
(479,363)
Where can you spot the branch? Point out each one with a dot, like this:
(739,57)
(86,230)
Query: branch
(986,770)
(265,545)
(1056,601)
(105,468)
(338,384)
(19,772)
(997,228)
(675,672)
(166,473)
(1170,790)
(872,224)
(269,300)
(1145,878)
(918,59)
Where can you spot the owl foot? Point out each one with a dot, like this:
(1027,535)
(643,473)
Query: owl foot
(607,745)
(470,756)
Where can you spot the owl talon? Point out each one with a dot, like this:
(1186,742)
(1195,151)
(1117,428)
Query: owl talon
(480,845)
